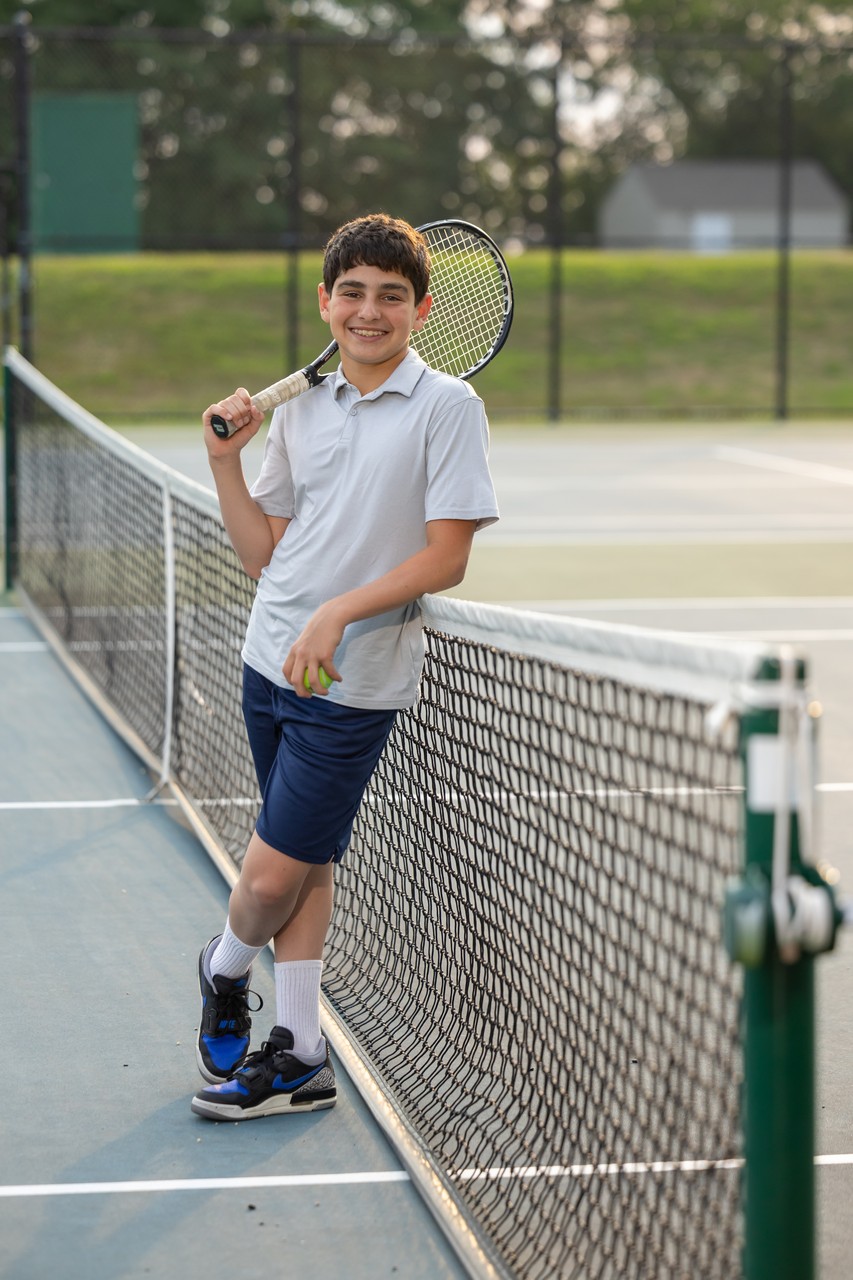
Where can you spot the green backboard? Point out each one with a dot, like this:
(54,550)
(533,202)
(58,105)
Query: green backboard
(83,187)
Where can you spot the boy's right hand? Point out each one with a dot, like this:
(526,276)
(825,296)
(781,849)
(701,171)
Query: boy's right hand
(239,410)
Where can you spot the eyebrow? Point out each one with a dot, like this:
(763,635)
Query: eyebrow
(397,286)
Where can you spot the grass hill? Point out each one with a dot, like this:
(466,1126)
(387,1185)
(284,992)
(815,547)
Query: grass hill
(157,336)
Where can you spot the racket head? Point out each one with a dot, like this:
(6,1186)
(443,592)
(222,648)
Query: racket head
(468,322)
(472,299)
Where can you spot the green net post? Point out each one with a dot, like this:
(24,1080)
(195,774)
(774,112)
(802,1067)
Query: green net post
(10,531)
(778,1100)
(775,925)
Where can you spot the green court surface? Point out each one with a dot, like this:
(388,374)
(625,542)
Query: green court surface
(728,528)
(742,529)
(104,1170)
(692,509)
(530,573)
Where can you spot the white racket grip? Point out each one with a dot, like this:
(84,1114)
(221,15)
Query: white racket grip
(295,384)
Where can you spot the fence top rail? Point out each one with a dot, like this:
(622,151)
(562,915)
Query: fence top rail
(415,41)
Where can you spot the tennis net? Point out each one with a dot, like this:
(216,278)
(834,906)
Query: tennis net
(525,965)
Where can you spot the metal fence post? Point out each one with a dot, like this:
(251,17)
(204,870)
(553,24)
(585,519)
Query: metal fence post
(293,206)
(22,165)
(555,218)
(783,285)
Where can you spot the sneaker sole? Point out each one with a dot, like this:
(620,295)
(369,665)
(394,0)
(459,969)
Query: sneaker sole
(269,1107)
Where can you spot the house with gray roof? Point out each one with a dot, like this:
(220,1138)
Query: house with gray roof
(715,205)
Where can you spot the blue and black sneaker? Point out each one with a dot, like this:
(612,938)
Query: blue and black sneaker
(225,1025)
(272,1081)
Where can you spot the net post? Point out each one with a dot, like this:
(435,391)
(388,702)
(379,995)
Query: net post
(10,453)
(169,643)
(778,1011)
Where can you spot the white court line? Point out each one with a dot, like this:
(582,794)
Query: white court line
(211,802)
(510,537)
(683,522)
(200,1184)
(608,1170)
(598,793)
(589,482)
(130,803)
(689,603)
(30,1190)
(792,466)
(794,635)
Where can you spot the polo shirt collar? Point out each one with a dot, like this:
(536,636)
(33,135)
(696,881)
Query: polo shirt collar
(403,380)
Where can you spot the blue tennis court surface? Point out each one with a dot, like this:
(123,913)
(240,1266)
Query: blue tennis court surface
(104,1171)
(106,899)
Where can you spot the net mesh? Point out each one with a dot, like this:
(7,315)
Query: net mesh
(526,944)
(91,547)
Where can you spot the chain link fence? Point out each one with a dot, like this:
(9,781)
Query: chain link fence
(127,140)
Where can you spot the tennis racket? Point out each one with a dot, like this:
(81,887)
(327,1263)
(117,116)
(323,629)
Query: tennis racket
(468,321)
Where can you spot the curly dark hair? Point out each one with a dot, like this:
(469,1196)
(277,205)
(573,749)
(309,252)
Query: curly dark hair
(377,240)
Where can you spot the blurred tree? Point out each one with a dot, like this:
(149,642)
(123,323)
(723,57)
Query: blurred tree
(119,13)
(438,16)
(644,80)
(282,117)
(280,133)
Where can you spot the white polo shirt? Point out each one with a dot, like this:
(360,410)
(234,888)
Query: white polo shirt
(359,477)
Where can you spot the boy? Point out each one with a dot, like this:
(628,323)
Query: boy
(371,489)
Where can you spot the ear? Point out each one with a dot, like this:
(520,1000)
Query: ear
(421,313)
(323,299)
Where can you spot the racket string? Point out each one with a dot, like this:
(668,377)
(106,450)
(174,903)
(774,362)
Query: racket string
(470,302)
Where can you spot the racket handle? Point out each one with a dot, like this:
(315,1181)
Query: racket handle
(295,384)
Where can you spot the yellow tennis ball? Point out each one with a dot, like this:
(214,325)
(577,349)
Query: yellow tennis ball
(325,681)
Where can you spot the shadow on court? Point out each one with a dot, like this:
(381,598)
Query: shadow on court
(106,902)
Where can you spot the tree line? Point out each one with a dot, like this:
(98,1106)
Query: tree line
(267,122)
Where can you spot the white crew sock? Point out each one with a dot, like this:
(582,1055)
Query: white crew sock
(231,958)
(297,999)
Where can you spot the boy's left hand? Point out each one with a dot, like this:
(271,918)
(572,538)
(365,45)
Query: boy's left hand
(315,648)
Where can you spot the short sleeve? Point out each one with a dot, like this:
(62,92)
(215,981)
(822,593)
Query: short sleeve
(459,484)
(273,489)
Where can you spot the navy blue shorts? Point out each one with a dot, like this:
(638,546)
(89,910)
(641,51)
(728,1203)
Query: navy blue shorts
(313,759)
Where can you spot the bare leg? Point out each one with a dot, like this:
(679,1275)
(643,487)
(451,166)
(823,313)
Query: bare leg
(267,893)
(303,935)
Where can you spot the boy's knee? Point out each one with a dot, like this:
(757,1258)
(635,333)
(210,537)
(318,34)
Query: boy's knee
(269,883)
(265,892)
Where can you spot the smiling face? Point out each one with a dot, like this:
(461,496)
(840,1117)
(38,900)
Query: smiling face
(371,313)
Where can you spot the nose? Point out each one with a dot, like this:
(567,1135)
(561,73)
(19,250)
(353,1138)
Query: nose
(368,308)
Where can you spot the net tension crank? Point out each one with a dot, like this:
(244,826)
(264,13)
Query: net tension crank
(786,906)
